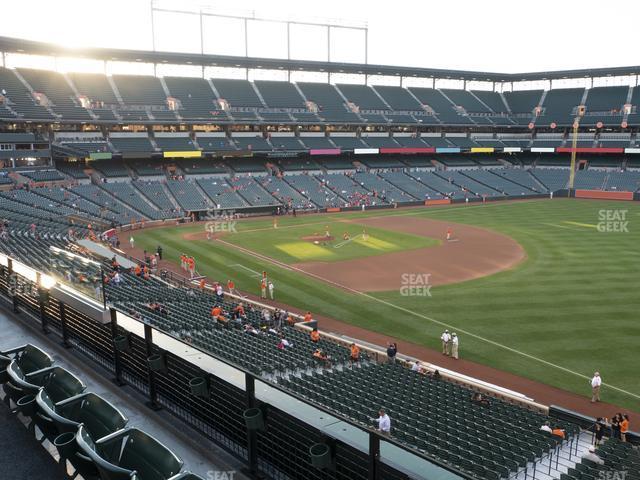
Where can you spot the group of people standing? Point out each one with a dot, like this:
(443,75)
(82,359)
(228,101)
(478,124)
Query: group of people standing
(450,344)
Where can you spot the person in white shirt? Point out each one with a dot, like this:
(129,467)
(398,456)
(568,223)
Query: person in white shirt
(454,346)
(132,241)
(546,427)
(416,366)
(271,290)
(446,338)
(596,381)
(116,278)
(384,422)
(593,456)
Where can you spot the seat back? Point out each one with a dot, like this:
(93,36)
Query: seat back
(147,456)
(88,453)
(33,358)
(61,384)
(99,417)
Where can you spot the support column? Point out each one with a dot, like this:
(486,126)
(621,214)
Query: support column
(252,435)
(63,325)
(41,303)
(374,456)
(151,375)
(13,285)
(117,359)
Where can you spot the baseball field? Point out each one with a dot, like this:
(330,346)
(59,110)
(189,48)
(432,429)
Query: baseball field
(544,289)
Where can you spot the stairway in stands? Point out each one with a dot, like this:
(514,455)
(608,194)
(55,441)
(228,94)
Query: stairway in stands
(558,461)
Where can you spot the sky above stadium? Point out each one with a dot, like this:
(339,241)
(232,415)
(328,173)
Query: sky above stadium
(489,35)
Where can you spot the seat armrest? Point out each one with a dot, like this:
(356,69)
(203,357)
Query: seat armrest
(71,400)
(39,373)
(13,350)
(113,437)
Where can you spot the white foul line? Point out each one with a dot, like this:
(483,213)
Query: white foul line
(419,315)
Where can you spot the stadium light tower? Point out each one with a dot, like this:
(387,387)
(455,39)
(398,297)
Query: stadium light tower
(574,146)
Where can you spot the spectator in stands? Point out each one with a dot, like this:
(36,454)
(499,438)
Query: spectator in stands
(416,367)
(315,335)
(480,399)
(238,311)
(216,312)
(599,427)
(384,422)
(248,328)
(219,292)
(284,343)
(231,287)
(624,427)
(392,351)
(319,355)
(307,317)
(203,284)
(593,457)
(546,427)
(354,356)
(596,381)
(116,278)
(559,432)
(615,426)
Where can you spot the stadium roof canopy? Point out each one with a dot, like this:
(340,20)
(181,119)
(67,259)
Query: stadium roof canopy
(22,46)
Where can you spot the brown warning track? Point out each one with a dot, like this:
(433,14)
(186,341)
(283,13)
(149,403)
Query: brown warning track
(471,253)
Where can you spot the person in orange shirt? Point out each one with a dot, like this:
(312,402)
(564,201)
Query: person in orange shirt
(290,320)
(355,353)
(216,314)
(315,335)
(321,356)
(263,288)
(192,267)
(137,270)
(558,432)
(307,317)
(231,286)
(203,284)
(145,272)
(624,427)
(183,261)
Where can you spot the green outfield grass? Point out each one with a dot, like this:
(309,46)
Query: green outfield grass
(287,245)
(571,308)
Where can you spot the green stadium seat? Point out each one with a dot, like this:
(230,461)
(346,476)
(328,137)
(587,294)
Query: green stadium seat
(119,455)
(99,417)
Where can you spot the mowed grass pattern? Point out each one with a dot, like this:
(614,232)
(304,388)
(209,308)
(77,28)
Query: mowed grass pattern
(573,303)
(286,243)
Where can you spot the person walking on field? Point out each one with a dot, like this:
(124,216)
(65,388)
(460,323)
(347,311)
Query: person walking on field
(263,288)
(132,241)
(596,382)
(454,345)
(446,339)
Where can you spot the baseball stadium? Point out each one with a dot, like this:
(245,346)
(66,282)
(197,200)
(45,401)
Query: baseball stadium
(262,255)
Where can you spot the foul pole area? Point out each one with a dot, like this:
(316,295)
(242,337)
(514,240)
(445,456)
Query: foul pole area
(574,147)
